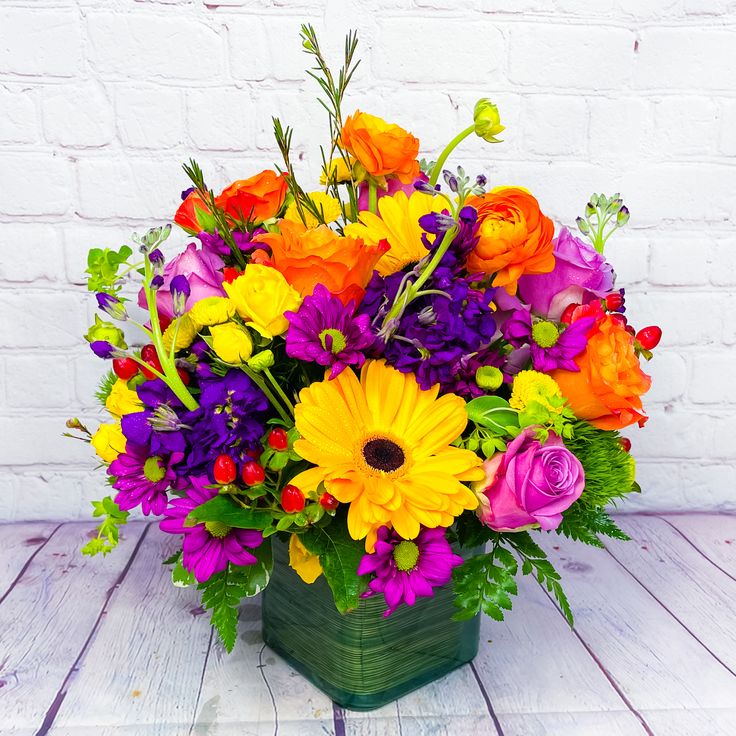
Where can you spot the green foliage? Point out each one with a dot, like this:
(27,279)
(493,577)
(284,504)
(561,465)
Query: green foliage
(103,266)
(485,583)
(339,555)
(585,524)
(107,532)
(555,418)
(104,389)
(223,592)
(224,509)
(534,562)
(494,413)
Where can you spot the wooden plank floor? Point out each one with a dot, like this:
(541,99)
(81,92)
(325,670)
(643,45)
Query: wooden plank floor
(90,647)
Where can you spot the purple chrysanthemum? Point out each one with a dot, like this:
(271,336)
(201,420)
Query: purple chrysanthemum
(326,332)
(552,345)
(408,569)
(142,479)
(207,548)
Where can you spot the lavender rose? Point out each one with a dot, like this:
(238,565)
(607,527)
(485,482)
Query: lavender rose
(202,269)
(580,275)
(529,484)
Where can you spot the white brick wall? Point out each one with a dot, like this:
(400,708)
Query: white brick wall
(101,100)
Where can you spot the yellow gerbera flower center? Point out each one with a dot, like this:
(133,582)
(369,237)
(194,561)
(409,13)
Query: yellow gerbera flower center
(406,554)
(383,455)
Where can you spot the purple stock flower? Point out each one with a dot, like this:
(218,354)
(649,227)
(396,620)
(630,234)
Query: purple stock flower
(111,305)
(580,275)
(142,479)
(552,345)
(103,349)
(207,548)
(408,569)
(214,243)
(180,291)
(326,332)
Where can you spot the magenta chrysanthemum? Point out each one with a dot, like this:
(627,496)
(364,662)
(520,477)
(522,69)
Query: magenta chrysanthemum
(408,569)
(208,548)
(142,479)
(327,332)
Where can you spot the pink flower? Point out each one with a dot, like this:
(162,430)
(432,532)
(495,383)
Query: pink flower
(529,484)
(580,275)
(202,269)
(393,185)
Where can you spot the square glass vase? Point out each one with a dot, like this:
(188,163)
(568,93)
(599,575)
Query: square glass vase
(363,660)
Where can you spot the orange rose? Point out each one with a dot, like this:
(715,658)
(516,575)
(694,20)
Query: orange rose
(515,238)
(194,215)
(256,199)
(607,391)
(382,148)
(307,257)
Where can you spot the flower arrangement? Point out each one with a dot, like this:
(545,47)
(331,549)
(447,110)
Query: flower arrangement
(400,365)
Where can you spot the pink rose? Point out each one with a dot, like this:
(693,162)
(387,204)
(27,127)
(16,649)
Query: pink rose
(529,484)
(580,275)
(202,269)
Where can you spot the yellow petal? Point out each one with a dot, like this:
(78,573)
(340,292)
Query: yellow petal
(304,563)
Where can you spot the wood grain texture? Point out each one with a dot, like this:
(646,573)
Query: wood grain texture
(19,543)
(47,619)
(253,691)
(712,535)
(145,662)
(683,581)
(658,665)
(560,689)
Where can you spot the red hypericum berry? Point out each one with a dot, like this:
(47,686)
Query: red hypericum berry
(619,319)
(125,368)
(292,499)
(566,317)
(630,330)
(649,337)
(253,473)
(625,443)
(229,274)
(614,301)
(328,502)
(148,353)
(150,356)
(224,470)
(278,439)
(184,375)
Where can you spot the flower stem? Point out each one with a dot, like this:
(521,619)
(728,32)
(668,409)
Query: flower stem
(279,391)
(170,377)
(268,394)
(372,196)
(449,148)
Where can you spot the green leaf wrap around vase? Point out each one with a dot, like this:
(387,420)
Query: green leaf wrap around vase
(362,660)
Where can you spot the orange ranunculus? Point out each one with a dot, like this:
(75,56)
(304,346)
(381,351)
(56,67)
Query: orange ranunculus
(608,388)
(256,199)
(382,148)
(307,257)
(193,214)
(515,238)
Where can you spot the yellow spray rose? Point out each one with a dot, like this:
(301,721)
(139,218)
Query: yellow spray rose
(261,296)
(304,563)
(213,310)
(231,342)
(122,400)
(108,441)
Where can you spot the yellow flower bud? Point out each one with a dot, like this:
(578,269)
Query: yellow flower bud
(231,342)
(261,296)
(261,361)
(186,334)
(324,203)
(487,121)
(213,310)
(108,441)
(122,400)
(305,564)
(339,171)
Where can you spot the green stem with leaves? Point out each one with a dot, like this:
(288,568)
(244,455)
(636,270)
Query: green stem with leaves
(449,148)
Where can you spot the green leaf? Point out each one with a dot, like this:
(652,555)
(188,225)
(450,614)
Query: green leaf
(181,577)
(584,524)
(492,412)
(107,532)
(225,510)
(339,555)
(223,592)
(103,266)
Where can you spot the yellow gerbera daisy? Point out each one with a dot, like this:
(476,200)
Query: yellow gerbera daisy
(399,225)
(325,203)
(382,444)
